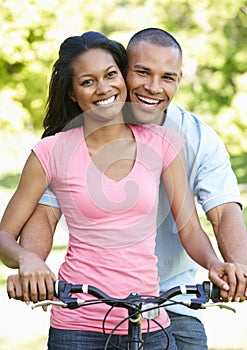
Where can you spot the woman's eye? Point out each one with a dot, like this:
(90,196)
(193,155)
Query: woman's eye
(87,82)
(112,74)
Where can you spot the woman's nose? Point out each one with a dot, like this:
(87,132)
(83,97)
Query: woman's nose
(103,87)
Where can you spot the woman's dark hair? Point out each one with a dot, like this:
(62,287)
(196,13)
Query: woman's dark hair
(60,109)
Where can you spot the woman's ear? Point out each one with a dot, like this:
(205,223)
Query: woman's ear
(72,95)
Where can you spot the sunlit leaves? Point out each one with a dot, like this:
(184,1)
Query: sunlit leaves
(213,36)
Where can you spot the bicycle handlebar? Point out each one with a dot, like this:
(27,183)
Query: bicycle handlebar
(146,305)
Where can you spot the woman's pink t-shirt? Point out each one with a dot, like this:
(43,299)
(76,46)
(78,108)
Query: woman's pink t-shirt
(112,224)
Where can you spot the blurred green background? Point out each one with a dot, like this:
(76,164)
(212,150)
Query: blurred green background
(213,35)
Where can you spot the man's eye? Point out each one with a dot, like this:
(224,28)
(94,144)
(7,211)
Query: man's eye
(142,72)
(168,78)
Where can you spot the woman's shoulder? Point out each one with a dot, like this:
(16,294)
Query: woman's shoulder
(60,138)
(63,135)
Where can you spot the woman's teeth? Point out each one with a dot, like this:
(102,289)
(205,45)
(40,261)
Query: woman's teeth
(106,102)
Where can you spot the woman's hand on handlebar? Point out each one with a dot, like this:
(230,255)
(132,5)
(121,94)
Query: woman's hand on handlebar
(231,279)
(35,281)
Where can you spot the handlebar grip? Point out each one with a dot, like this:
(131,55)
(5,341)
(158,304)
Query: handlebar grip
(59,287)
(211,290)
(65,289)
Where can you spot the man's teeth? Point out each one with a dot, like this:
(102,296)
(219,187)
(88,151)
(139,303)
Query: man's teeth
(105,102)
(148,100)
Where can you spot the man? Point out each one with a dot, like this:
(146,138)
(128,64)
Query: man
(153,77)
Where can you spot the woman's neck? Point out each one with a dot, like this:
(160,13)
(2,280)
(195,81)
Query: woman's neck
(112,149)
(105,130)
(107,133)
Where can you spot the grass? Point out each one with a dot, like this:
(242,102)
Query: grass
(9,181)
(239,167)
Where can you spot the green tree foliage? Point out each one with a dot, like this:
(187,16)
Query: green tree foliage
(25,60)
(212,34)
(32,31)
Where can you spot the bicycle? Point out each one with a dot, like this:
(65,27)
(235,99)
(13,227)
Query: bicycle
(138,306)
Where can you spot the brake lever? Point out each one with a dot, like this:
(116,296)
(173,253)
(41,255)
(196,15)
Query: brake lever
(72,303)
(47,303)
(195,305)
(220,305)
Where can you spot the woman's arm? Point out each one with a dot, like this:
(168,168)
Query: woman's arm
(21,206)
(193,238)
(36,236)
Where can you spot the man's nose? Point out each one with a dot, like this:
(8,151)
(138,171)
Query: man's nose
(153,86)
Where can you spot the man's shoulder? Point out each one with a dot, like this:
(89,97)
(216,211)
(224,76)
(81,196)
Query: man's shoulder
(183,116)
(187,122)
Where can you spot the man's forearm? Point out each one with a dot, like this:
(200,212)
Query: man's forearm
(37,234)
(230,232)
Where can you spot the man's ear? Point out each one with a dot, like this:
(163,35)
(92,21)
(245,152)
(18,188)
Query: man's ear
(180,76)
(72,95)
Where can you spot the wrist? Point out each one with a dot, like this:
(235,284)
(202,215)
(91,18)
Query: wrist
(213,263)
(25,256)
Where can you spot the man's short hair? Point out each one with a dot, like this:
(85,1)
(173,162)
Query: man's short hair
(155,36)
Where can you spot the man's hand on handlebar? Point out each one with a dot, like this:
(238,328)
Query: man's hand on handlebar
(232,279)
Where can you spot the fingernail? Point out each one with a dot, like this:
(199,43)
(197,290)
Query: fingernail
(230,298)
(237,299)
(226,287)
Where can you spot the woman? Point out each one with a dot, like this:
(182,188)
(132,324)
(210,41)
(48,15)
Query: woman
(106,175)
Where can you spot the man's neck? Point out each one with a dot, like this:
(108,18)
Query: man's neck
(163,118)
